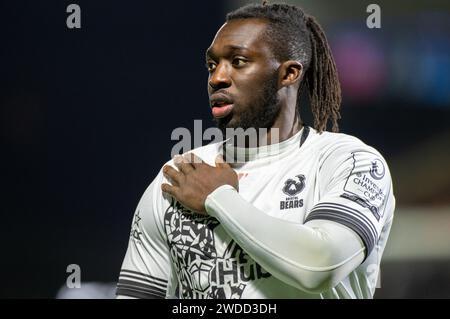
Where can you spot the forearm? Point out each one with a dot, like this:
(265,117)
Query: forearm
(312,257)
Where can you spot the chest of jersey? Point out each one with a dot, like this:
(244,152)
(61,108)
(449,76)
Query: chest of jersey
(209,263)
(285,190)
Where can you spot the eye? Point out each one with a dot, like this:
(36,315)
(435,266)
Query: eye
(211,66)
(239,61)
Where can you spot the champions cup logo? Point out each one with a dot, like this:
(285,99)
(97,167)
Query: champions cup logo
(377,170)
(292,187)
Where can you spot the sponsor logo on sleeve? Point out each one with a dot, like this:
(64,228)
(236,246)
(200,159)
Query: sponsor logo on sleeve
(377,170)
(363,186)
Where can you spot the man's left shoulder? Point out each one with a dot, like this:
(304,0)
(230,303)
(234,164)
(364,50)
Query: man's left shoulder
(337,144)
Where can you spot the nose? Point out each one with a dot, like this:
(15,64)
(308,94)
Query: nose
(220,78)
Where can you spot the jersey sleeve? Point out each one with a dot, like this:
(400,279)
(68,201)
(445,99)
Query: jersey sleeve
(356,191)
(145,271)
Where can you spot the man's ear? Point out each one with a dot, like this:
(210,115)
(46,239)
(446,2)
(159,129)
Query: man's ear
(290,73)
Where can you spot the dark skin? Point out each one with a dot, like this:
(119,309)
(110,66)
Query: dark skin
(239,60)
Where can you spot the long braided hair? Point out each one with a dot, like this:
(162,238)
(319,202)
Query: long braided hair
(294,35)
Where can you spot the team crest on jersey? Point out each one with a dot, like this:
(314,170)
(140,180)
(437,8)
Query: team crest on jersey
(293,187)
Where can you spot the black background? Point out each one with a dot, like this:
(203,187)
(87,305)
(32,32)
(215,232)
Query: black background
(87,116)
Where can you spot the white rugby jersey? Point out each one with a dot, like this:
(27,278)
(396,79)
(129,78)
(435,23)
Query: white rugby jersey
(174,253)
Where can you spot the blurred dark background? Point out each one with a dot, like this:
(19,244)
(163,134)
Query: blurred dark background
(87,116)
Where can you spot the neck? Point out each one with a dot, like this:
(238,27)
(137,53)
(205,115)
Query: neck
(288,122)
(281,132)
(278,133)
(243,151)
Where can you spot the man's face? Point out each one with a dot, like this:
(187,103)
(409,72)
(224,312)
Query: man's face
(243,77)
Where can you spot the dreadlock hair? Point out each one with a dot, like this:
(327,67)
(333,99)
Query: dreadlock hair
(294,35)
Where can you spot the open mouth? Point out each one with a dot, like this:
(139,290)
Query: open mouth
(221,105)
(221,108)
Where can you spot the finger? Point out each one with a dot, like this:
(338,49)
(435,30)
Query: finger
(220,162)
(172,174)
(183,164)
(169,189)
(193,159)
